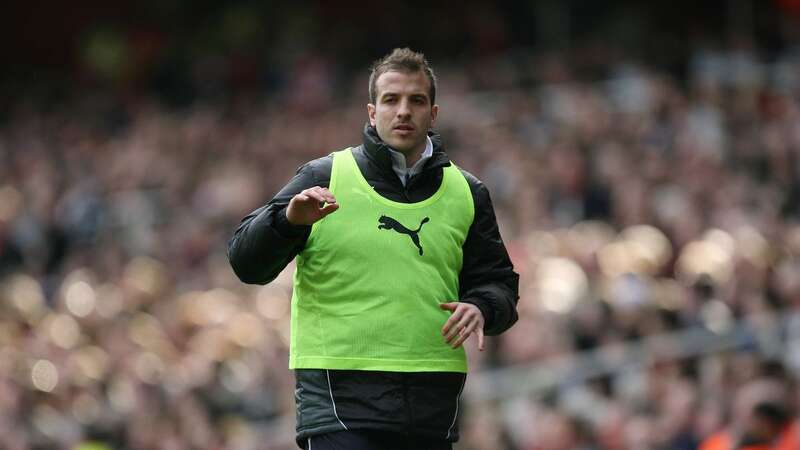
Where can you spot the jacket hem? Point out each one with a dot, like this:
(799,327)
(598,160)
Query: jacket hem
(304,433)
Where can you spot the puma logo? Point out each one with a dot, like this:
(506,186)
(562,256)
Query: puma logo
(387,223)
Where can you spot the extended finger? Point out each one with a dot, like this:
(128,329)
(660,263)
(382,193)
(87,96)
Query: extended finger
(323,193)
(317,193)
(452,334)
(464,334)
(329,208)
(454,318)
(462,323)
(311,196)
(452,306)
(480,338)
(328,195)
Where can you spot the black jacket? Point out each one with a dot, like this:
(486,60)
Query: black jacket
(265,242)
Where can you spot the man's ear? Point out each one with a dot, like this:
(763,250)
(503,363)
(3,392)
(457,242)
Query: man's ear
(434,113)
(371,113)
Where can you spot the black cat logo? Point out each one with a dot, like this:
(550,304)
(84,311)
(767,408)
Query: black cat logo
(387,223)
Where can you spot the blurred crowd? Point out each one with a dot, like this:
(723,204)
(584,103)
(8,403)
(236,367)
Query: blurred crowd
(633,205)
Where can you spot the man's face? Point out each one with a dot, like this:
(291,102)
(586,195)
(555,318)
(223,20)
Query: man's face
(403,112)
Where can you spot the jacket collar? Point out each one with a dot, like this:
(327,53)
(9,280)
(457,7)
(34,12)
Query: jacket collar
(378,151)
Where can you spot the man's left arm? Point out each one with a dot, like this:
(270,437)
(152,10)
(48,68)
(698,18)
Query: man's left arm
(487,278)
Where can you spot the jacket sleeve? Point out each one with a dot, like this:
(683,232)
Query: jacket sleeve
(265,242)
(487,277)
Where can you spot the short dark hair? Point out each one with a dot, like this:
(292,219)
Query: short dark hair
(401,60)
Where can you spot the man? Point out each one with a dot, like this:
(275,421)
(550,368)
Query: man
(399,261)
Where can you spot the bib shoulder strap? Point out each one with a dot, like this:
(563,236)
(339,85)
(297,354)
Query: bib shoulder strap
(341,158)
(458,180)
(342,151)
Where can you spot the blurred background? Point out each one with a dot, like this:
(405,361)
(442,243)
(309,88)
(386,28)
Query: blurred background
(644,162)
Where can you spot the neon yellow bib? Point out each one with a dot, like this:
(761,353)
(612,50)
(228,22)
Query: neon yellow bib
(369,283)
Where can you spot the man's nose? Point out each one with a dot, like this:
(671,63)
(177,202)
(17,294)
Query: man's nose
(403,110)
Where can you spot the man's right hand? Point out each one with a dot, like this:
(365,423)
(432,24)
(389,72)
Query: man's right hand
(306,207)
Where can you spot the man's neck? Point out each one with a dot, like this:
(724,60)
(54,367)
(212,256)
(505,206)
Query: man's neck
(413,156)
